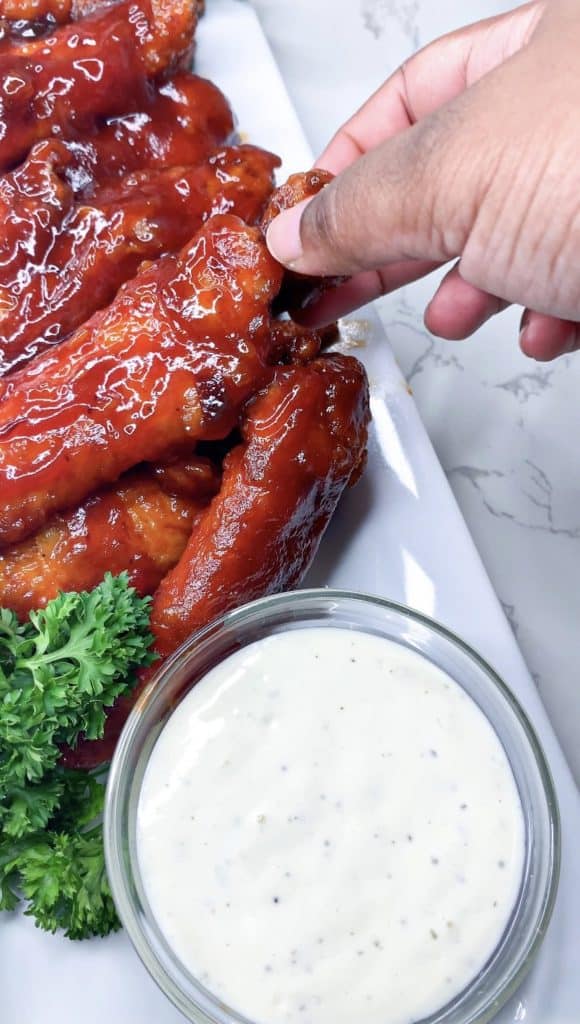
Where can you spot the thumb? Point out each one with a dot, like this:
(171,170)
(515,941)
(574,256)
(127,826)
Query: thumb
(413,197)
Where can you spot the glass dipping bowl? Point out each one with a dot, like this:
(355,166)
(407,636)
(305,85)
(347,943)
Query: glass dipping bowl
(504,971)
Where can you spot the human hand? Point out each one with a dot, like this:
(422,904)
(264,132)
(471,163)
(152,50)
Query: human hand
(469,152)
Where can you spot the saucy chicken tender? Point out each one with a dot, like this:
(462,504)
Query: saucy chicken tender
(294,343)
(53,275)
(299,291)
(296,189)
(305,440)
(53,12)
(180,124)
(171,362)
(34,199)
(140,525)
(62,84)
(22,20)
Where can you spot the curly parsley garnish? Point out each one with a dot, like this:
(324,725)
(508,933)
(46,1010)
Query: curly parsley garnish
(59,671)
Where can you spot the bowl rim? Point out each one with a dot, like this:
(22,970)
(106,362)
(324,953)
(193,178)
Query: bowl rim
(117,788)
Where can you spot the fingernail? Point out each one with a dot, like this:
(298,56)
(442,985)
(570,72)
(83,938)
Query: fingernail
(283,236)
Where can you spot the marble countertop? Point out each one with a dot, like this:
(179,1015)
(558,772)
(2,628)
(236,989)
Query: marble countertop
(504,427)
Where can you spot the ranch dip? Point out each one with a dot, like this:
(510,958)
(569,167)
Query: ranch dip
(329,831)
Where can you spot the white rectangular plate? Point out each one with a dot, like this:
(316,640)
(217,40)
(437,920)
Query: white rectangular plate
(399,534)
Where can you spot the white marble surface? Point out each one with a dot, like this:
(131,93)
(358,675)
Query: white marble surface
(506,429)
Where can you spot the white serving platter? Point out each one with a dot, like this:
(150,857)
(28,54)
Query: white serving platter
(399,534)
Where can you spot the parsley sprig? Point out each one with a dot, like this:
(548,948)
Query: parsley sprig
(59,671)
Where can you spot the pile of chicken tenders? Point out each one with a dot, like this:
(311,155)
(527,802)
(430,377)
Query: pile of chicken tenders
(159,411)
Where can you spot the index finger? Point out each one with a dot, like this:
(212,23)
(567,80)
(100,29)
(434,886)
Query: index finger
(432,77)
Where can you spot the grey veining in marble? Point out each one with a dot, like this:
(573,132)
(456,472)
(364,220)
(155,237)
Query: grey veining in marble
(506,429)
(377,15)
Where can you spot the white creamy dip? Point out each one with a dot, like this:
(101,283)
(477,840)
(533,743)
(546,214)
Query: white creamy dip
(329,831)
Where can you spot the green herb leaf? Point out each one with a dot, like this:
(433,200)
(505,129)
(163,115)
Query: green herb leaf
(63,879)
(61,669)
(25,809)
